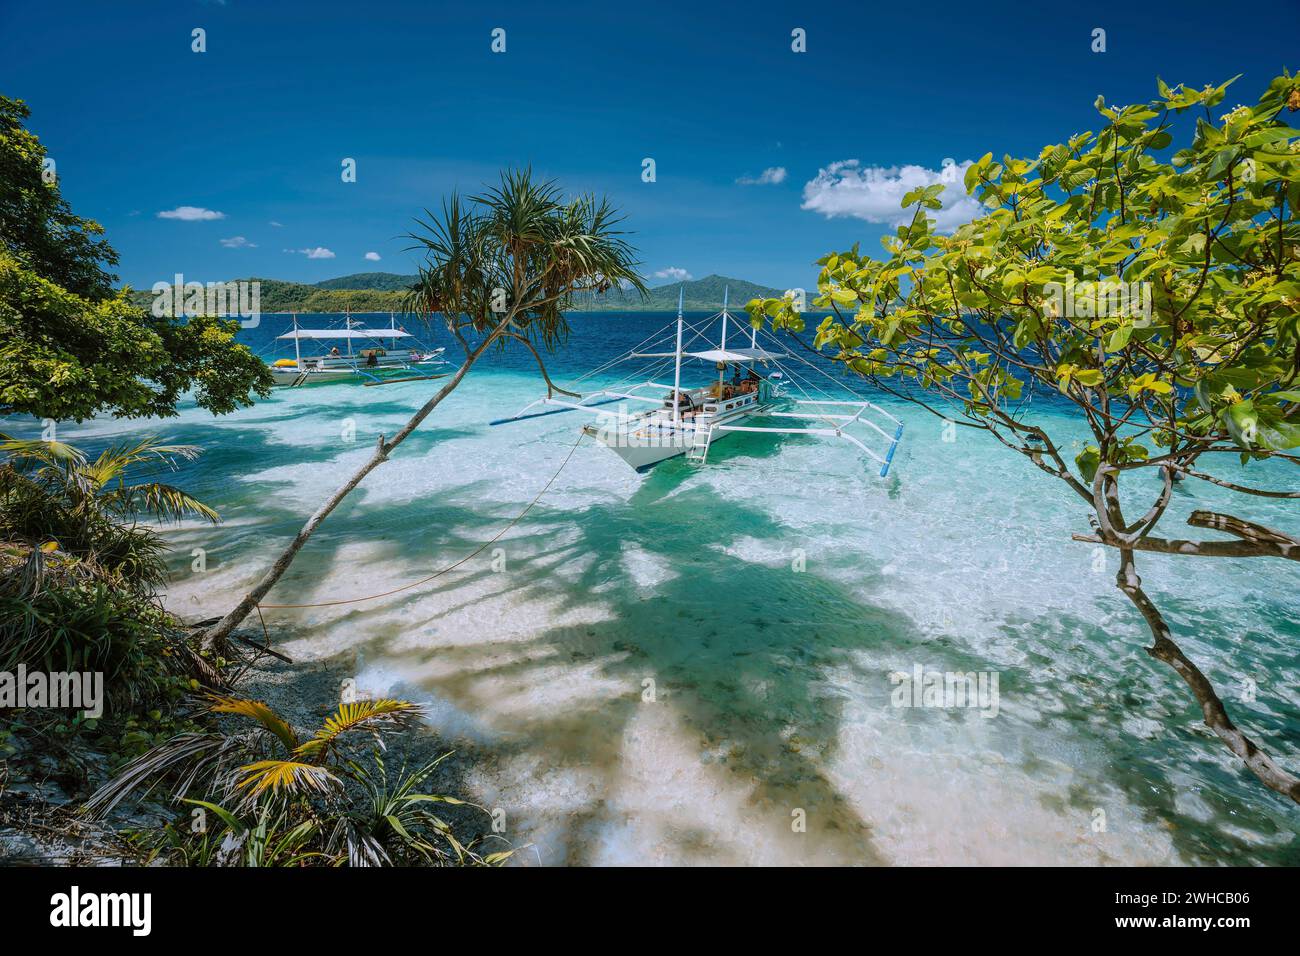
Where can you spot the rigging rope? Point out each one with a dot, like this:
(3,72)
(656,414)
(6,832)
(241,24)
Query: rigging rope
(451,567)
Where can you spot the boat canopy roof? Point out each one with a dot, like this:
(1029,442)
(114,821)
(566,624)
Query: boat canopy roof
(719,355)
(345,334)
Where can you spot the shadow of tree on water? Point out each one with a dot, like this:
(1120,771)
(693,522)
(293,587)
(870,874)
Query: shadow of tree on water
(725,640)
(1139,714)
(743,672)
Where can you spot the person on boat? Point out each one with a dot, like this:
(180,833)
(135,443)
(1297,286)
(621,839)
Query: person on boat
(372,360)
(334,352)
(733,388)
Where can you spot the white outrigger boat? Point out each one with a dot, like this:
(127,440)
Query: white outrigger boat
(378,360)
(686,421)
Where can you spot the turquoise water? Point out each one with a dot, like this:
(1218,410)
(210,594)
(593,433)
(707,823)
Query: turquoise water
(768,596)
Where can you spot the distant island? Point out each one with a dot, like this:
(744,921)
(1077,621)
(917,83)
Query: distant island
(384,291)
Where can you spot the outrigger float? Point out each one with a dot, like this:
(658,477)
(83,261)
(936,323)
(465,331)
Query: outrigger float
(378,360)
(686,420)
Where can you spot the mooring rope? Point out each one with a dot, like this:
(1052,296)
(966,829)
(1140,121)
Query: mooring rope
(451,567)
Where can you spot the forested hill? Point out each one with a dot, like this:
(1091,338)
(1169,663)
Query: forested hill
(701,295)
(384,291)
(378,281)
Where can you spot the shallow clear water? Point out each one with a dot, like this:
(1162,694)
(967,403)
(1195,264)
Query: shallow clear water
(768,596)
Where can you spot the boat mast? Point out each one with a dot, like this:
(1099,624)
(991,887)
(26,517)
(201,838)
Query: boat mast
(722,366)
(677,364)
(347,323)
(297,345)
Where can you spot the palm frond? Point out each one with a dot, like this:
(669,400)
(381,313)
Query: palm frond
(259,712)
(290,776)
(360,715)
(113,462)
(164,502)
(46,452)
(199,759)
(518,237)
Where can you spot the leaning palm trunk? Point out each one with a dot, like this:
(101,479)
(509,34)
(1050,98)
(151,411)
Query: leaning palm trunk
(501,271)
(221,630)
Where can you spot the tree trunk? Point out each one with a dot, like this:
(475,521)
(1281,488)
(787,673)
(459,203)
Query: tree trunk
(216,634)
(1216,716)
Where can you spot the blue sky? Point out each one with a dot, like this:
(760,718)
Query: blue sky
(256,127)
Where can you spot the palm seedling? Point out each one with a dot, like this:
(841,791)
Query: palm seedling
(281,799)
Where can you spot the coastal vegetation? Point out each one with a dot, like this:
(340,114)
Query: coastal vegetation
(271,798)
(500,270)
(82,564)
(1152,289)
(79,574)
(79,567)
(276,295)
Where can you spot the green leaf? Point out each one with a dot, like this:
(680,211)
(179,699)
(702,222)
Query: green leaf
(226,817)
(1087,462)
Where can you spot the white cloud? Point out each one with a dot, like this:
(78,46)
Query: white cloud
(191,214)
(274,223)
(768,177)
(372,256)
(874,193)
(238,242)
(320,252)
(674,273)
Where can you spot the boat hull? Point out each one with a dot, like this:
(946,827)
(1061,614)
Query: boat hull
(289,376)
(320,374)
(652,439)
(642,457)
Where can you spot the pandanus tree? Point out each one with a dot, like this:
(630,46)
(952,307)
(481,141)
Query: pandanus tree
(500,268)
(1155,293)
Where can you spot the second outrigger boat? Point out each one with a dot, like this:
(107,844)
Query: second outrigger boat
(686,421)
(369,356)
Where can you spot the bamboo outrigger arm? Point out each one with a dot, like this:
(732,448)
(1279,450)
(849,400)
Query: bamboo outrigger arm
(605,396)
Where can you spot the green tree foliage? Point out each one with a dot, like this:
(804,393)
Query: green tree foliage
(70,347)
(1156,292)
(37,227)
